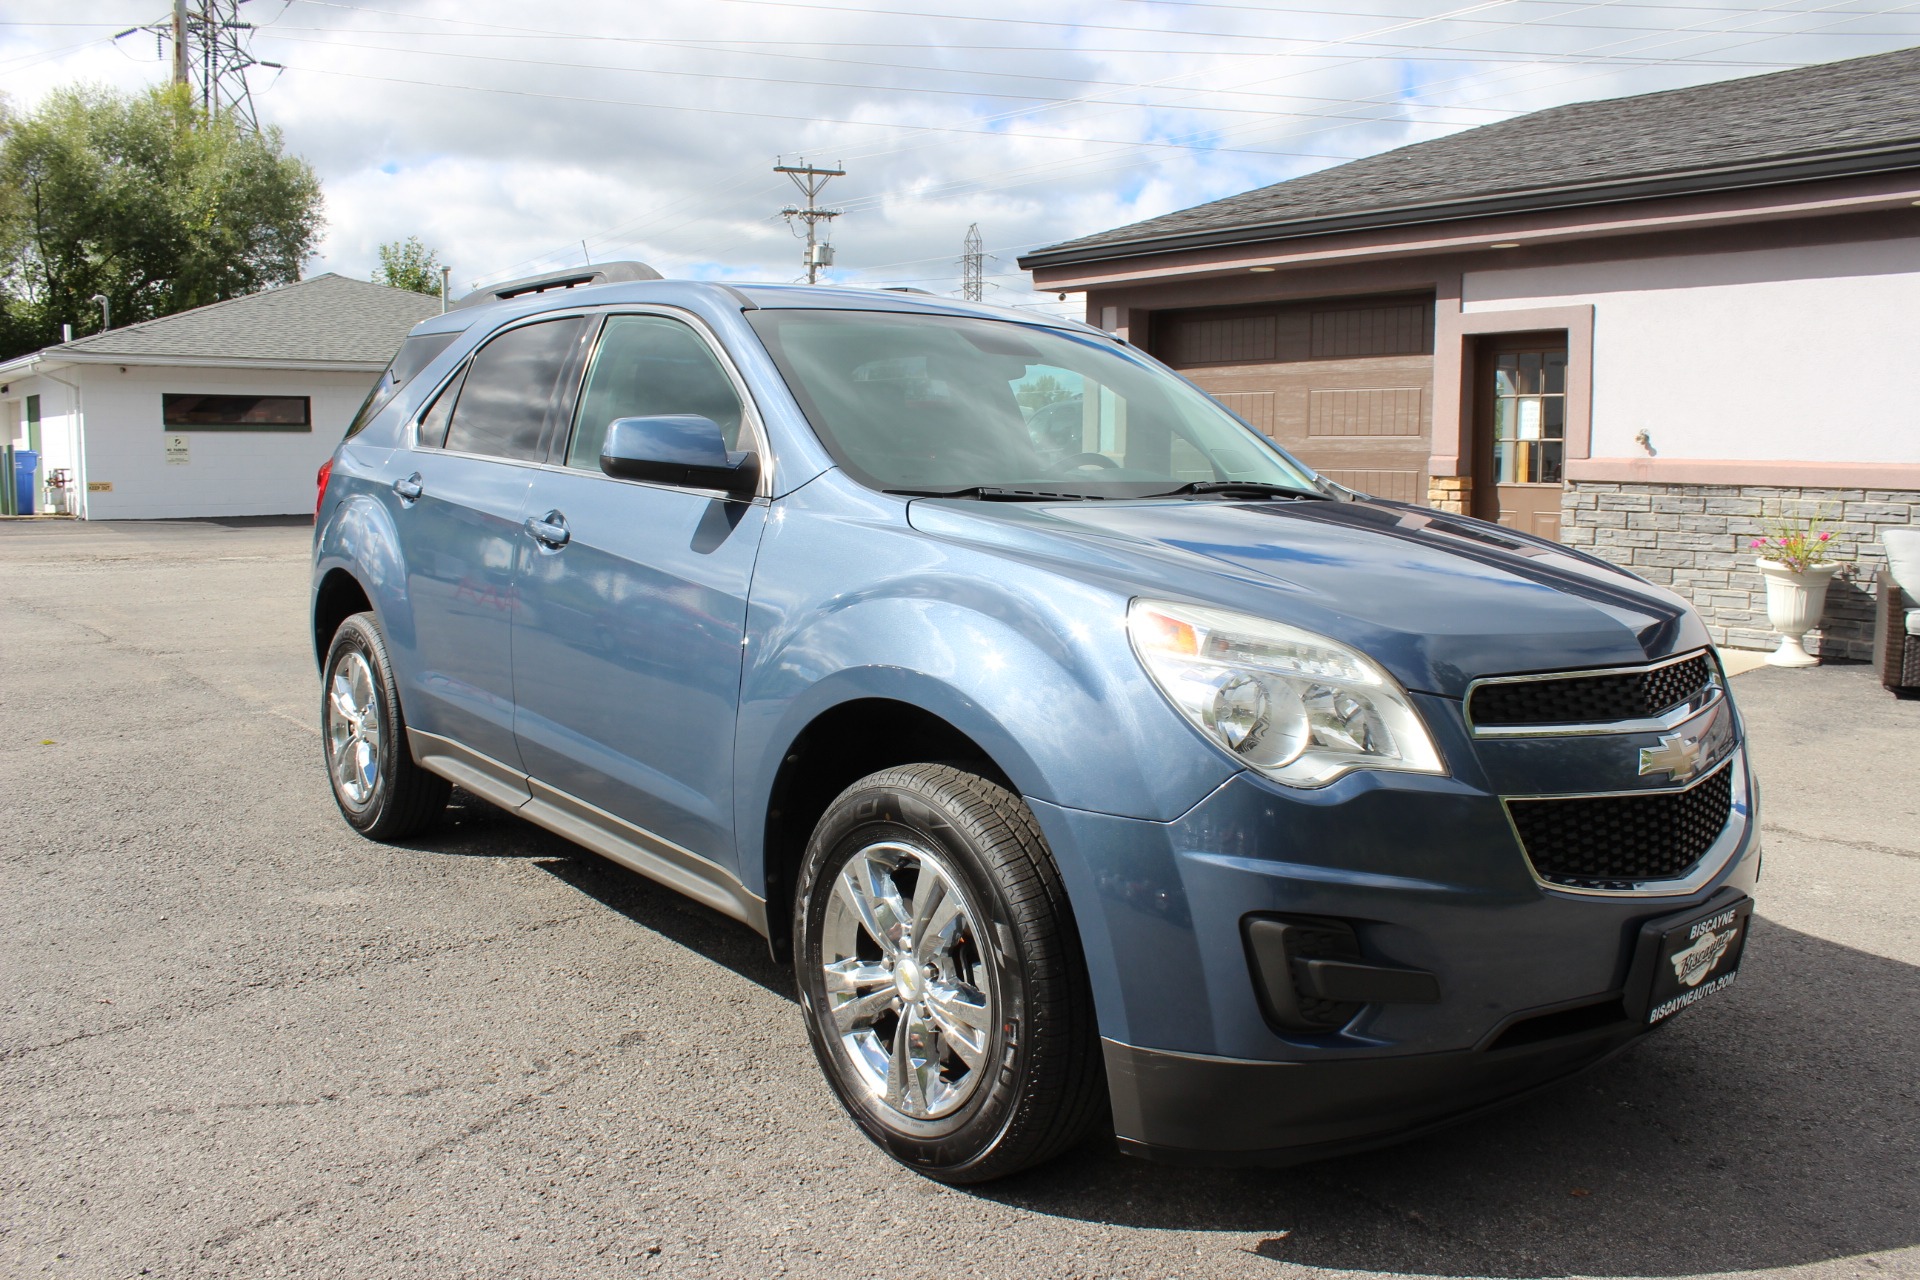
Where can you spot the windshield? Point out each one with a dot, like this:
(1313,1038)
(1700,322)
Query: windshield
(939,404)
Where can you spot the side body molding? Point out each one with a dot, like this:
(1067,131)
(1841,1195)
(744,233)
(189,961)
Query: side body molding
(633,847)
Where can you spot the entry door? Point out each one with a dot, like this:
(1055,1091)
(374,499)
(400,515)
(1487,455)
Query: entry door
(1520,434)
(627,643)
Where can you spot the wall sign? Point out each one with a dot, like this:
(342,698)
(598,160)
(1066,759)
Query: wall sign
(99,486)
(179,454)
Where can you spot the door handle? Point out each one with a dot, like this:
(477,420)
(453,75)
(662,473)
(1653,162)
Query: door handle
(550,530)
(409,489)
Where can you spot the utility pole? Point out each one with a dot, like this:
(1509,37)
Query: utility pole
(445,272)
(210,53)
(973,262)
(179,41)
(811,181)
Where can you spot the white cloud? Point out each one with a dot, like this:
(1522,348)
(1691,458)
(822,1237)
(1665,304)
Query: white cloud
(504,134)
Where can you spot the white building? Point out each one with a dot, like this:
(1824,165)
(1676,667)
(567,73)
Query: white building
(225,410)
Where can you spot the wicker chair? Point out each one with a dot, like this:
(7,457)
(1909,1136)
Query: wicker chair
(1896,638)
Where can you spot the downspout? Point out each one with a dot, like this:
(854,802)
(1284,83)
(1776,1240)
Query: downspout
(77,438)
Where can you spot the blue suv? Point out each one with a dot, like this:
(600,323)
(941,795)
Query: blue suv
(1092,761)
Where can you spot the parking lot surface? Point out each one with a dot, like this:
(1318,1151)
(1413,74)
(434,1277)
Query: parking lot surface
(238,1040)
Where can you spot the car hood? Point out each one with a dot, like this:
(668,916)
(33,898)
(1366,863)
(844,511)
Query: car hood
(1439,600)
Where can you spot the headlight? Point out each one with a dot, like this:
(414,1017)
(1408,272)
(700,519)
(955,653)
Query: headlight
(1298,707)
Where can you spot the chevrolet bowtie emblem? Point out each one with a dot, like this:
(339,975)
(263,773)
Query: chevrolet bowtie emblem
(1677,755)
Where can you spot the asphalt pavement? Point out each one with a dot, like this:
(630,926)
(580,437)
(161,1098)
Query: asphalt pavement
(238,1040)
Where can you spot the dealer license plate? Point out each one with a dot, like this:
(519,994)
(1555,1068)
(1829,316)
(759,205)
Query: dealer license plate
(1698,958)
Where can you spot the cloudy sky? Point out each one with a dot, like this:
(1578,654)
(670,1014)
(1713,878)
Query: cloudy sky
(506,134)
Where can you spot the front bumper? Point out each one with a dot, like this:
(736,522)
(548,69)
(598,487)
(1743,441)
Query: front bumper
(1430,877)
(1193,1109)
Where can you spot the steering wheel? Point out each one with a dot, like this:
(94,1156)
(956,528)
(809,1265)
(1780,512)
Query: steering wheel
(1081,461)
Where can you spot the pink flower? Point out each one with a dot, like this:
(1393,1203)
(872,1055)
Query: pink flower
(1825,536)
(1757,543)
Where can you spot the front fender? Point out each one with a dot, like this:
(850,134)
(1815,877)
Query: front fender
(850,602)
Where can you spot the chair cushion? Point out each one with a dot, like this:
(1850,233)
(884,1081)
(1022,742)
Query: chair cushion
(1903,558)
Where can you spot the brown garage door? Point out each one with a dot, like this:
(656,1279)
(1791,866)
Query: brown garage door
(1346,386)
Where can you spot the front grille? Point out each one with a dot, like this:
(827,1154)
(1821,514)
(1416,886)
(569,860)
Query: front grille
(1617,842)
(1598,699)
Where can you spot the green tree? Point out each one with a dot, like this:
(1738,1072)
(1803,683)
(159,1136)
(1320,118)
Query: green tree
(408,264)
(145,199)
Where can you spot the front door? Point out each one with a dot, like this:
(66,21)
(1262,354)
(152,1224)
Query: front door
(1520,432)
(627,644)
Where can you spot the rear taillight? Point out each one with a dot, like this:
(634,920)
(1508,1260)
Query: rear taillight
(320,483)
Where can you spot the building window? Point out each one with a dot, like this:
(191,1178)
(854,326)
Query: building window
(236,413)
(1529,417)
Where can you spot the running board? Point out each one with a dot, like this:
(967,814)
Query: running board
(635,848)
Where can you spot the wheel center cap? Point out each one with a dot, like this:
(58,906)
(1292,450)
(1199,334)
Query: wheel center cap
(908,981)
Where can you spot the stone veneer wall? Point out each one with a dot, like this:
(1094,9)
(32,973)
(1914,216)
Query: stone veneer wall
(1450,493)
(1694,538)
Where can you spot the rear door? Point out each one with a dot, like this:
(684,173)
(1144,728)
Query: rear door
(457,501)
(628,634)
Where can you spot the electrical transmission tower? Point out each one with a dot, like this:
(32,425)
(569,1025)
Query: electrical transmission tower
(210,53)
(973,264)
(811,181)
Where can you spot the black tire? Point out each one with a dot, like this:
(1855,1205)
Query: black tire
(400,798)
(1040,1085)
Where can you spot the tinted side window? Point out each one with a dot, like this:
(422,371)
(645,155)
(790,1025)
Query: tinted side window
(433,423)
(415,354)
(503,403)
(647,366)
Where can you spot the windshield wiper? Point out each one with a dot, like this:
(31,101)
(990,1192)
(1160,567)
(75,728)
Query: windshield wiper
(1239,488)
(999,493)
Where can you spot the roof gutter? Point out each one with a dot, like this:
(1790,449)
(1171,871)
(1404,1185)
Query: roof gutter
(22,366)
(1889,158)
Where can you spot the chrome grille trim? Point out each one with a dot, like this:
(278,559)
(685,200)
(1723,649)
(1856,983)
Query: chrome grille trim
(1715,860)
(1710,695)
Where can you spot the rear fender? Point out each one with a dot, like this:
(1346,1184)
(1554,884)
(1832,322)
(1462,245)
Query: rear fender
(358,536)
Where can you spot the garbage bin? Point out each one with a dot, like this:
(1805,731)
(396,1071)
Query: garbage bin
(26,465)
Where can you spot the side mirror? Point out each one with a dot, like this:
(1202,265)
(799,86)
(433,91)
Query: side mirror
(679,449)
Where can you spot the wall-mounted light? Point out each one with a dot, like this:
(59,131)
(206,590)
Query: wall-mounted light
(1260,269)
(1505,244)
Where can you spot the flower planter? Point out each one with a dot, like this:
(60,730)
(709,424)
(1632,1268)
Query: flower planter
(1794,602)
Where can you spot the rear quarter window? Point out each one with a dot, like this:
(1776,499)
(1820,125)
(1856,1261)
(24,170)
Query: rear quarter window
(415,354)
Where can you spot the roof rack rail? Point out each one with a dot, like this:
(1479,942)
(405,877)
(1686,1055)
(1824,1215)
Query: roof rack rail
(570,278)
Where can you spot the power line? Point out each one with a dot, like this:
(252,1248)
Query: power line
(212,54)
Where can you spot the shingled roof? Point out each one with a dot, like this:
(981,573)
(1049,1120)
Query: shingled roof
(1857,116)
(328,319)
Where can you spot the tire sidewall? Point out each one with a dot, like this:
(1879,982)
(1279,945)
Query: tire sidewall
(950,1144)
(358,634)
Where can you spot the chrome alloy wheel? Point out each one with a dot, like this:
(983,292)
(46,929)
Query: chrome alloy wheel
(906,984)
(353,729)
